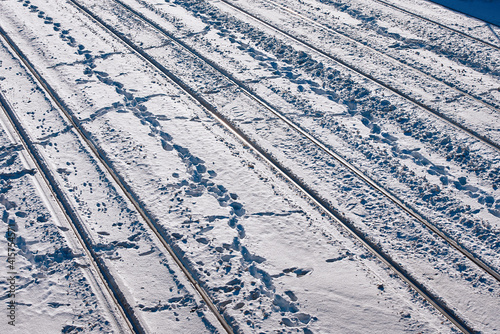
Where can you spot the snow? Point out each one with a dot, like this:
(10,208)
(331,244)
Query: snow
(146,163)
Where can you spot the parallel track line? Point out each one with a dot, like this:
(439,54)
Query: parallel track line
(410,67)
(405,96)
(126,190)
(71,216)
(322,146)
(290,177)
(58,214)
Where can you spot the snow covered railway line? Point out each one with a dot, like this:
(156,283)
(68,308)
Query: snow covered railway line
(483,126)
(248,92)
(94,225)
(73,280)
(208,106)
(269,292)
(68,213)
(461,62)
(97,119)
(322,20)
(271,60)
(474,258)
(325,124)
(101,156)
(435,218)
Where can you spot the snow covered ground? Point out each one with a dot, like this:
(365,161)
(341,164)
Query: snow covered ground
(280,166)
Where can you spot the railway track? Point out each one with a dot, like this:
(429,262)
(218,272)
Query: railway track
(45,183)
(71,216)
(372,247)
(370,77)
(119,298)
(385,3)
(399,62)
(248,92)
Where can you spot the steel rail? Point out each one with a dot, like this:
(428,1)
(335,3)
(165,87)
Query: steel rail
(400,62)
(405,96)
(374,184)
(58,213)
(290,177)
(70,214)
(100,155)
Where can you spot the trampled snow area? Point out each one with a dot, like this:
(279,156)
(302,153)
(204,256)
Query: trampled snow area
(248,166)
